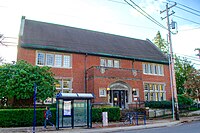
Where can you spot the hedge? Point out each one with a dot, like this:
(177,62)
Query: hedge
(24,117)
(113,113)
(159,104)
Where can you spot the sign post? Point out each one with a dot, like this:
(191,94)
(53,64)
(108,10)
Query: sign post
(34,99)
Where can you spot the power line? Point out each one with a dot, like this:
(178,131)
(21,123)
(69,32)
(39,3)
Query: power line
(186,19)
(145,14)
(186,6)
(188,11)
(190,29)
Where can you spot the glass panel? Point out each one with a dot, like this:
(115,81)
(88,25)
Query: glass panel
(66,83)
(150,87)
(155,69)
(49,59)
(103,62)
(110,63)
(40,58)
(60,112)
(151,96)
(80,112)
(150,68)
(116,63)
(156,96)
(146,96)
(146,86)
(58,60)
(67,61)
(59,84)
(161,96)
(67,121)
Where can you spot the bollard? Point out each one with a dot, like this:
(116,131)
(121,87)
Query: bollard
(105,118)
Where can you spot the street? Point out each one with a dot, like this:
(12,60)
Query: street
(192,127)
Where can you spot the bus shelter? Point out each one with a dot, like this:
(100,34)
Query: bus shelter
(73,110)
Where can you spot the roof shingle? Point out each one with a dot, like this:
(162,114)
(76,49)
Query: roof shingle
(41,35)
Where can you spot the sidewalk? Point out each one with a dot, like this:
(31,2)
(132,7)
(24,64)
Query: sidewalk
(99,129)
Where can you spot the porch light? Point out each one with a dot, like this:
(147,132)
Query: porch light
(108,89)
(115,99)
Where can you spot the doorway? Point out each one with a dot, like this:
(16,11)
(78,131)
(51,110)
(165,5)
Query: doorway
(119,98)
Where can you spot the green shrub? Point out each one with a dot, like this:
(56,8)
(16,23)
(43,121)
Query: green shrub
(22,117)
(159,104)
(113,113)
(184,102)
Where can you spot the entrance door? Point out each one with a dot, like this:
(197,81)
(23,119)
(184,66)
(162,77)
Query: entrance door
(119,98)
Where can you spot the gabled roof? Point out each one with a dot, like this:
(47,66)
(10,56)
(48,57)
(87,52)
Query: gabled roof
(46,36)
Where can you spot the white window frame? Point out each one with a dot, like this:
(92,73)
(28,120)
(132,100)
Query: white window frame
(116,64)
(58,62)
(110,63)
(154,91)
(103,62)
(102,92)
(43,54)
(153,69)
(69,61)
(51,57)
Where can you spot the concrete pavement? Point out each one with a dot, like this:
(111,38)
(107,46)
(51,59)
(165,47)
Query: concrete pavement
(111,128)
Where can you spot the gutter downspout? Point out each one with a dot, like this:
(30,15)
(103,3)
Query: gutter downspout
(85,73)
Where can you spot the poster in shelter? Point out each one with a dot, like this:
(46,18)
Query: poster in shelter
(67,108)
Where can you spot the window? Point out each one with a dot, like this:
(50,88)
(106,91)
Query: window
(145,68)
(103,62)
(109,63)
(49,59)
(64,85)
(116,64)
(53,60)
(58,60)
(40,58)
(67,61)
(154,69)
(154,92)
(102,92)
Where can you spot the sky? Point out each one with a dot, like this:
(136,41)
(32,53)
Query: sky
(109,16)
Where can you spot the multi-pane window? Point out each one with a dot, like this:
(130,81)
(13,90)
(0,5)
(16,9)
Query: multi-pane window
(58,60)
(41,59)
(109,63)
(64,85)
(154,92)
(150,68)
(67,61)
(49,59)
(116,63)
(53,60)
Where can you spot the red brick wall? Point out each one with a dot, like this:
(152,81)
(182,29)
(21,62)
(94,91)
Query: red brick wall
(77,73)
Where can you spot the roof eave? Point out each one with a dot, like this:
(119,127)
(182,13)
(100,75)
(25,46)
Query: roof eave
(52,48)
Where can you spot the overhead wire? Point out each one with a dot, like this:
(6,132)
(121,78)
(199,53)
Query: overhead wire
(185,6)
(186,19)
(145,14)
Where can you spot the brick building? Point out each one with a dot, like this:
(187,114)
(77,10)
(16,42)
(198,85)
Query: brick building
(120,71)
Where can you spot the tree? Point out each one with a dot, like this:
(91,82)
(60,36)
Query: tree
(192,84)
(183,68)
(17,81)
(161,43)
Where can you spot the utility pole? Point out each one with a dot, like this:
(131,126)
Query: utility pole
(173,79)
